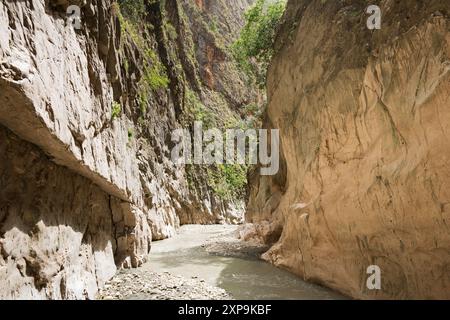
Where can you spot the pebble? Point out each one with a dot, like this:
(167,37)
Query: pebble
(159,286)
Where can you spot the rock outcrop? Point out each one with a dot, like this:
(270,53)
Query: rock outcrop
(86,176)
(60,232)
(364,118)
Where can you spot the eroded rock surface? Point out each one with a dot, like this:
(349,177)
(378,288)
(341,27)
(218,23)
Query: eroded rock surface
(60,233)
(84,189)
(364,118)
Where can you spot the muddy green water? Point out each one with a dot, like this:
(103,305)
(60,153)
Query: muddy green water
(247,279)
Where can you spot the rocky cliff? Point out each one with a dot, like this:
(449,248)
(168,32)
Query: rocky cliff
(364,118)
(86,117)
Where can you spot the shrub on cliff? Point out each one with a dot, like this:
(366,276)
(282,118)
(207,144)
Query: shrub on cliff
(133,10)
(254,48)
(131,15)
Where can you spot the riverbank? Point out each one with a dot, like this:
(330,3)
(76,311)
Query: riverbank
(140,285)
(209,263)
(219,240)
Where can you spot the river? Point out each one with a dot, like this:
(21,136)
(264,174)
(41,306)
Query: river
(243,278)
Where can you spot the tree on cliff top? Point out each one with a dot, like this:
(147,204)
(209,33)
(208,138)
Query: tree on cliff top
(254,48)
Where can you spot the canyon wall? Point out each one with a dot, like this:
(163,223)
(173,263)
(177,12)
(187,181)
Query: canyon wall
(364,119)
(86,176)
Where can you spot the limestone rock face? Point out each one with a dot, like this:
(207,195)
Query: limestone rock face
(205,30)
(57,228)
(84,190)
(364,118)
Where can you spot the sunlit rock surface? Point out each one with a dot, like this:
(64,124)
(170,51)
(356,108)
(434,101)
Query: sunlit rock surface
(83,191)
(364,118)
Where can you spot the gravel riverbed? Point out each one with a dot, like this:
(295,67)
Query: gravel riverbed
(210,263)
(159,286)
(142,283)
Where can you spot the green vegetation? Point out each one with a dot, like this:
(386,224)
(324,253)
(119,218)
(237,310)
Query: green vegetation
(129,20)
(116,110)
(213,25)
(228,181)
(133,10)
(131,16)
(197,111)
(171,31)
(153,78)
(255,47)
(126,64)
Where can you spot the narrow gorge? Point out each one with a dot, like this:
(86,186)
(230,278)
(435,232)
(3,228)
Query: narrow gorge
(92,91)
(86,116)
